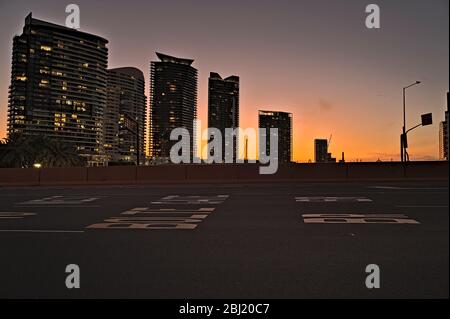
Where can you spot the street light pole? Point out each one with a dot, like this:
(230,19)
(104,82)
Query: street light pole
(137,144)
(137,135)
(403,141)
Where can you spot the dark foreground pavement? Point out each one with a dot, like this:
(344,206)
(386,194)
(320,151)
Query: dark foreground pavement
(255,243)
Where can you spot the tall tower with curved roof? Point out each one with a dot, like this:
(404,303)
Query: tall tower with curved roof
(173,102)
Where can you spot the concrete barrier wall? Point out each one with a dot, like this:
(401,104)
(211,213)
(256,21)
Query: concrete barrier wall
(63,176)
(319,171)
(366,171)
(425,170)
(146,174)
(217,173)
(226,172)
(112,174)
(19,176)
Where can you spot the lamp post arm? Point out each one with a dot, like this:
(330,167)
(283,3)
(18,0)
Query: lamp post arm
(412,128)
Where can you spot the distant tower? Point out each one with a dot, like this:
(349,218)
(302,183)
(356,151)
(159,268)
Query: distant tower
(342,158)
(282,121)
(321,154)
(173,102)
(443,136)
(320,150)
(246,150)
(223,108)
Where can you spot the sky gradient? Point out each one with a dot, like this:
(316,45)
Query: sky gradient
(315,59)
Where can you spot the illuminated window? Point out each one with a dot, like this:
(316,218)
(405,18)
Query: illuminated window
(45,48)
(21,78)
(43,83)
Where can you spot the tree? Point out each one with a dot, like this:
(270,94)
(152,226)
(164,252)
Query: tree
(17,151)
(58,154)
(24,151)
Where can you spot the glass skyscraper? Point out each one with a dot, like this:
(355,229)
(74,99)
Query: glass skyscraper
(173,102)
(223,108)
(58,86)
(283,122)
(125,115)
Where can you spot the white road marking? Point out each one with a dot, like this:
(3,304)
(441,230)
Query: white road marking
(358,219)
(144,226)
(328,199)
(166,211)
(422,206)
(14,215)
(164,218)
(148,218)
(409,188)
(191,200)
(39,231)
(60,201)
(58,206)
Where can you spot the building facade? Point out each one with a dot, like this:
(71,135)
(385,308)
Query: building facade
(223,109)
(173,103)
(58,86)
(125,116)
(321,154)
(282,121)
(443,136)
(320,150)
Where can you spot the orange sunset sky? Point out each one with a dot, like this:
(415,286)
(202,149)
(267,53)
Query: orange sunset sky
(315,59)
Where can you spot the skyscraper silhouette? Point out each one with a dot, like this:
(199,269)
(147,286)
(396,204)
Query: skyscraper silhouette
(443,136)
(173,96)
(58,86)
(125,115)
(223,109)
(320,150)
(321,154)
(282,121)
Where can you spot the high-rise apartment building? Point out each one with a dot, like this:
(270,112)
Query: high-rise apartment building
(443,136)
(173,102)
(320,150)
(125,116)
(58,86)
(223,109)
(283,122)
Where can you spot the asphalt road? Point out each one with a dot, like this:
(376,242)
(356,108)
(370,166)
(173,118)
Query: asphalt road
(234,241)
